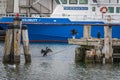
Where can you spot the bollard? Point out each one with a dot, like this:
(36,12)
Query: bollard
(8,43)
(26,44)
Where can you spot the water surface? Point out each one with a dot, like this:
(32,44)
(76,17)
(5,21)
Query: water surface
(57,65)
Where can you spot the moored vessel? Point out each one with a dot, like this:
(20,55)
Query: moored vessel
(67,19)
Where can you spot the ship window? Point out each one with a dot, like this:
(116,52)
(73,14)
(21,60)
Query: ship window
(73,1)
(117,1)
(64,1)
(94,1)
(117,9)
(57,1)
(110,9)
(93,9)
(83,1)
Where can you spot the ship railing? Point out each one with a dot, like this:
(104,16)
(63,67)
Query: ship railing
(35,15)
(104,2)
(114,17)
(12,15)
(101,17)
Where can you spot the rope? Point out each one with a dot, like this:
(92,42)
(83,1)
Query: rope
(55,52)
(60,51)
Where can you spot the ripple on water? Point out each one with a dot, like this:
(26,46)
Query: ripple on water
(58,65)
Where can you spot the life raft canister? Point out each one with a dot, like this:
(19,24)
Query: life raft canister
(103,9)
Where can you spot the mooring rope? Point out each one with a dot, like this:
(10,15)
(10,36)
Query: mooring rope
(60,51)
(55,52)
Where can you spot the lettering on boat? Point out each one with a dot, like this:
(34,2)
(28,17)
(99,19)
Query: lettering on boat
(29,20)
(75,8)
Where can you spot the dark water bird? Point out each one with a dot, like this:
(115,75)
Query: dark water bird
(46,51)
(74,32)
(98,34)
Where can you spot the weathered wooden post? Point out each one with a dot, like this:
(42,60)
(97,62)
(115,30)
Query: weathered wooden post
(26,44)
(108,43)
(8,43)
(12,42)
(81,51)
(87,31)
(80,54)
(17,38)
(16,44)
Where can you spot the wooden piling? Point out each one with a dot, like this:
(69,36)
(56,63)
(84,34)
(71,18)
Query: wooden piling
(17,21)
(80,54)
(26,44)
(12,42)
(87,31)
(108,44)
(8,43)
(16,39)
(16,43)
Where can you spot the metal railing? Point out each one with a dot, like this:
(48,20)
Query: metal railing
(73,17)
(115,17)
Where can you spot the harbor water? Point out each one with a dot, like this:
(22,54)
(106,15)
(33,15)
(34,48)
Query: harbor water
(57,65)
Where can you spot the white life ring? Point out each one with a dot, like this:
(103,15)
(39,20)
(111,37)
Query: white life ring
(103,9)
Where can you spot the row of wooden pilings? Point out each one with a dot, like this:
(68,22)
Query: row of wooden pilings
(90,53)
(107,39)
(13,40)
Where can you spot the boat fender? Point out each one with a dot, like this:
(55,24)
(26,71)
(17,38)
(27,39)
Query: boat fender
(103,9)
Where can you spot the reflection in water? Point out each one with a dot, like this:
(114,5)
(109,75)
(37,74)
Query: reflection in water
(15,72)
(57,65)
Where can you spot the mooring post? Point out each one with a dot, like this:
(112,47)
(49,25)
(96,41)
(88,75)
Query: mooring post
(77,54)
(80,54)
(16,43)
(17,38)
(87,31)
(17,21)
(26,44)
(108,43)
(8,44)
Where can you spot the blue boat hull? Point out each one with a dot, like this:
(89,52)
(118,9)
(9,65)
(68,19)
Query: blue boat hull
(57,29)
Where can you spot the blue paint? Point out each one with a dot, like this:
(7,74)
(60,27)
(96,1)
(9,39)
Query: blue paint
(57,29)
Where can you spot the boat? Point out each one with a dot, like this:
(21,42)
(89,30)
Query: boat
(68,18)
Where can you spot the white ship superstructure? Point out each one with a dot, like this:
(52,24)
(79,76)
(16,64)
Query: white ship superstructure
(75,10)
(88,9)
